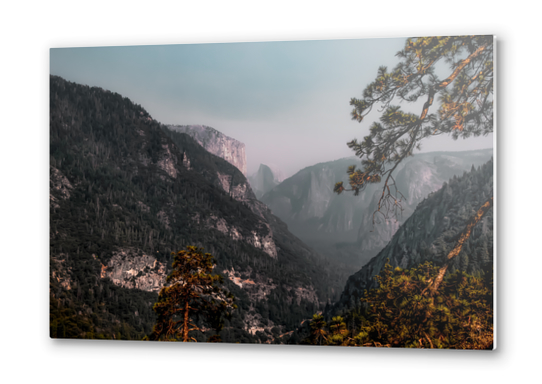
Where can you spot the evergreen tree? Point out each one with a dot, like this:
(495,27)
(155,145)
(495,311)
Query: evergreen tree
(401,315)
(318,330)
(465,109)
(191,293)
(338,331)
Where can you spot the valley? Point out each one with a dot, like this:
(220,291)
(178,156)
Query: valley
(126,191)
(341,226)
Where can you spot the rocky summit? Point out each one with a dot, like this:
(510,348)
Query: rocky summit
(217,143)
(265,179)
(127,191)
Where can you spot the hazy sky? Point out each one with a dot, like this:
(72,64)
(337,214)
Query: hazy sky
(287,101)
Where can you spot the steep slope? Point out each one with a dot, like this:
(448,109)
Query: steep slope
(431,232)
(308,197)
(264,180)
(341,226)
(215,142)
(126,192)
(420,175)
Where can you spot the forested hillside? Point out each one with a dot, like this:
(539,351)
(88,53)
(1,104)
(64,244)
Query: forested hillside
(343,227)
(126,192)
(432,231)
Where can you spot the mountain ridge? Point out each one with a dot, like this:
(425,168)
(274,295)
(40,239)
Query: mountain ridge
(217,143)
(125,192)
(431,232)
(341,226)
(264,180)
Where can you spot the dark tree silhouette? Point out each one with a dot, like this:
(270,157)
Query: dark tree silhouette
(191,292)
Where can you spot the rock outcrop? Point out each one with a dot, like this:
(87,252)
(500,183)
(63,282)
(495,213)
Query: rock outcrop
(265,179)
(217,143)
(257,239)
(60,187)
(131,268)
(432,231)
(128,191)
(341,226)
(60,273)
(168,162)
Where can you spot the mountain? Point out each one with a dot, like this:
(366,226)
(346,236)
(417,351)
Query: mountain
(432,231)
(265,179)
(306,199)
(341,226)
(126,191)
(217,143)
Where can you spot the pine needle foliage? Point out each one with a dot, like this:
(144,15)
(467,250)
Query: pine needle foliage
(400,312)
(318,335)
(192,293)
(458,103)
(338,331)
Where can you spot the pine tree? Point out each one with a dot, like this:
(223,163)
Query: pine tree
(338,331)
(192,292)
(465,109)
(460,316)
(318,330)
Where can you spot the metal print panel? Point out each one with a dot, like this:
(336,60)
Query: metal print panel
(326,193)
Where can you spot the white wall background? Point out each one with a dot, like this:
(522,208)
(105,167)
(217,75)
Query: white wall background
(29,29)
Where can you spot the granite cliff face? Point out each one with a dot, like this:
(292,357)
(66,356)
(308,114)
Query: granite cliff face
(264,180)
(341,226)
(308,196)
(126,191)
(432,231)
(60,187)
(131,268)
(417,178)
(217,143)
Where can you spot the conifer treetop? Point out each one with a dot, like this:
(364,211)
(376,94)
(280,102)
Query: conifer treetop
(460,104)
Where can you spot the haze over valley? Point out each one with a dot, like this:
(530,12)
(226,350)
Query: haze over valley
(214,198)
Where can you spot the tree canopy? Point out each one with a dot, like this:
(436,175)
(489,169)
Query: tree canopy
(191,292)
(460,103)
(398,313)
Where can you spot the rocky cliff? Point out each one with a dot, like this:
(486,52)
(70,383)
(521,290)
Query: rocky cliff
(341,226)
(264,180)
(127,191)
(431,232)
(418,177)
(131,268)
(217,143)
(308,196)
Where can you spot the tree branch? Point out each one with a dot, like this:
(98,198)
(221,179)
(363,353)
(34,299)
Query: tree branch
(464,236)
(460,67)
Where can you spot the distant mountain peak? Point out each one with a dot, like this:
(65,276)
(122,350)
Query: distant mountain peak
(341,226)
(277,172)
(265,179)
(217,143)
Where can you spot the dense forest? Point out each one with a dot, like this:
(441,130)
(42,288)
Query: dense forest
(399,312)
(383,304)
(124,186)
(126,192)
(432,231)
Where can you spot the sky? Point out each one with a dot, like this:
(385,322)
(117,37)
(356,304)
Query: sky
(288,101)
